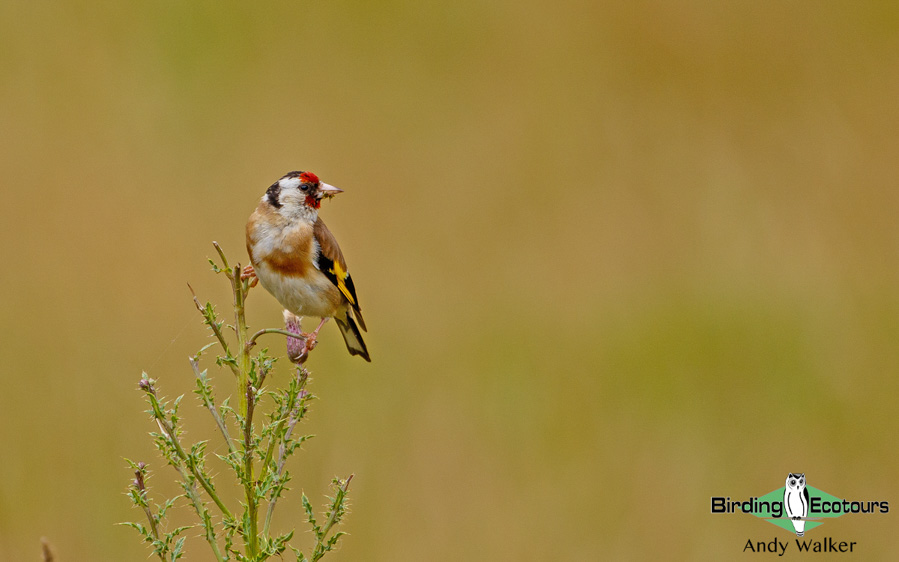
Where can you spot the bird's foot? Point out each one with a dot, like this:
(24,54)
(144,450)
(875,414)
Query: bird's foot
(311,341)
(249,273)
(298,348)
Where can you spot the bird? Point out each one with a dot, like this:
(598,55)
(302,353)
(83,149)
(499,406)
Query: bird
(796,501)
(297,259)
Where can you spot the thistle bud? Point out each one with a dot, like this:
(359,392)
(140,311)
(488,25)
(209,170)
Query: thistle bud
(146,384)
(296,347)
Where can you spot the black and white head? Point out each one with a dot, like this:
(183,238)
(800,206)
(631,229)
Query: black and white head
(796,481)
(299,193)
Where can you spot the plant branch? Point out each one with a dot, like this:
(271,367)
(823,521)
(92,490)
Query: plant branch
(252,341)
(145,502)
(336,513)
(221,254)
(190,490)
(169,431)
(206,396)
(209,319)
(247,400)
(46,551)
(296,413)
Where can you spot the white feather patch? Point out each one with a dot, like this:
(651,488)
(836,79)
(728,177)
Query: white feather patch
(316,251)
(287,183)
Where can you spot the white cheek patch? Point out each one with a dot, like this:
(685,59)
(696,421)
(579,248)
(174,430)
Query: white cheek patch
(287,183)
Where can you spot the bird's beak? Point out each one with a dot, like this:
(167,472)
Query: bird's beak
(326,190)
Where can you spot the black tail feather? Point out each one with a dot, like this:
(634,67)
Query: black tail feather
(357,312)
(352,337)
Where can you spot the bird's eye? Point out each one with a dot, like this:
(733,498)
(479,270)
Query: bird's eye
(304,187)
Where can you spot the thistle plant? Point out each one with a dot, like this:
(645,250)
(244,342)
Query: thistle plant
(260,434)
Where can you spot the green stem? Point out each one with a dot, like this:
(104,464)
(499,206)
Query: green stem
(293,415)
(247,398)
(145,503)
(209,320)
(252,340)
(190,490)
(210,405)
(169,431)
(336,512)
(296,412)
(221,254)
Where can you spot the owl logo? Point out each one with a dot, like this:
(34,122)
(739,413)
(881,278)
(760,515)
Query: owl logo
(796,501)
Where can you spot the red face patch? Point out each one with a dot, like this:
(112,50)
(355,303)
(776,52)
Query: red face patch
(313,202)
(308,177)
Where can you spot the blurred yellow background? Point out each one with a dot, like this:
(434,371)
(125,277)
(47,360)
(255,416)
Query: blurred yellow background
(615,258)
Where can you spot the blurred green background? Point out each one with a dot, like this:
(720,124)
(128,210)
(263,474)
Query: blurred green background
(615,258)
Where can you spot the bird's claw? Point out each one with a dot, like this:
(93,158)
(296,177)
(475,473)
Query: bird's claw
(249,273)
(311,341)
(298,348)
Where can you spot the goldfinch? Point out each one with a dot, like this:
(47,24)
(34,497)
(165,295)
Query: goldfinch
(298,261)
